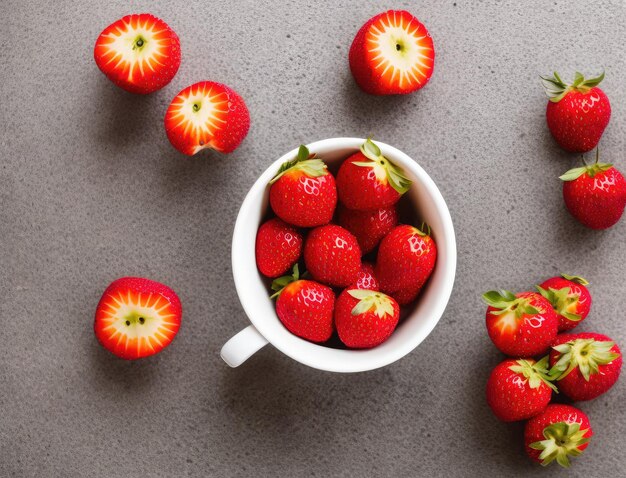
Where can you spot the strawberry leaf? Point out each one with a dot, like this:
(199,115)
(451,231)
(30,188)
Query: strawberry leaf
(573,174)
(580,280)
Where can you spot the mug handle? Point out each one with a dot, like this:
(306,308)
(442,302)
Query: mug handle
(242,346)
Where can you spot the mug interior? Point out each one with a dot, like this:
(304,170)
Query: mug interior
(254,294)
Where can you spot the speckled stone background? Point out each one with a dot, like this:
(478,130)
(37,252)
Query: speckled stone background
(90,190)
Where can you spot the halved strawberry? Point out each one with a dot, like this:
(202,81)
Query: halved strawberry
(137,317)
(139,53)
(207,115)
(391,54)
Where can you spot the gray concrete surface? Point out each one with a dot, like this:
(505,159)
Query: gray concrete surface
(90,190)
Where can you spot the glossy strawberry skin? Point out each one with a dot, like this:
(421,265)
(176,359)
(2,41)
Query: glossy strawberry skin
(160,67)
(509,394)
(574,384)
(360,189)
(580,307)
(369,227)
(364,330)
(332,256)
(366,278)
(407,296)
(406,259)
(306,309)
(528,336)
(578,120)
(278,247)
(302,200)
(597,202)
(554,413)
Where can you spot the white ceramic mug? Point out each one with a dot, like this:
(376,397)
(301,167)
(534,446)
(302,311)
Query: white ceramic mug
(255,296)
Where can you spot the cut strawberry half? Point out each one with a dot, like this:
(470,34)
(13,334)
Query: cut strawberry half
(392,53)
(207,115)
(139,53)
(137,317)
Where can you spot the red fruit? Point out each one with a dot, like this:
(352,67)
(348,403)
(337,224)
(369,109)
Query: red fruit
(519,389)
(557,433)
(278,247)
(303,192)
(578,113)
(367,180)
(139,53)
(586,365)
(406,258)
(332,255)
(521,325)
(406,296)
(392,54)
(369,227)
(366,279)
(595,194)
(207,115)
(137,317)
(569,297)
(305,307)
(365,318)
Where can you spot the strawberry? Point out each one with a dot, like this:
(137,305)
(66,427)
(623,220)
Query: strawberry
(369,227)
(595,194)
(139,53)
(519,389)
(578,113)
(557,433)
(365,318)
(406,296)
(521,325)
(406,258)
(569,297)
(367,180)
(303,192)
(137,317)
(278,247)
(366,279)
(304,307)
(332,255)
(392,54)
(207,115)
(586,365)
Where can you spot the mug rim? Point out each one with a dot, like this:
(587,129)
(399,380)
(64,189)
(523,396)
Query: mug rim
(316,355)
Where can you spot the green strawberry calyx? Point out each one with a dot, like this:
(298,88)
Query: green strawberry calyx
(370,300)
(586,354)
(505,301)
(279,284)
(562,440)
(305,162)
(591,170)
(383,168)
(578,279)
(535,373)
(556,88)
(562,300)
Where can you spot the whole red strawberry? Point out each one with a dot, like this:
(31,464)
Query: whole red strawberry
(367,180)
(278,247)
(366,279)
(303,192)
(595,194)
(557,433)
(519,389)
(577,114)
(586,365)
(369,227)
(392,54)
(521,325)
(406,259)
(139,53)
(569,297)
(365,318)
(332,255)
(304,307)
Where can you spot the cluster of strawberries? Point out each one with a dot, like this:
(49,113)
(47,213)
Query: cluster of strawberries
(305,195)
(584,365)
(577,115)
